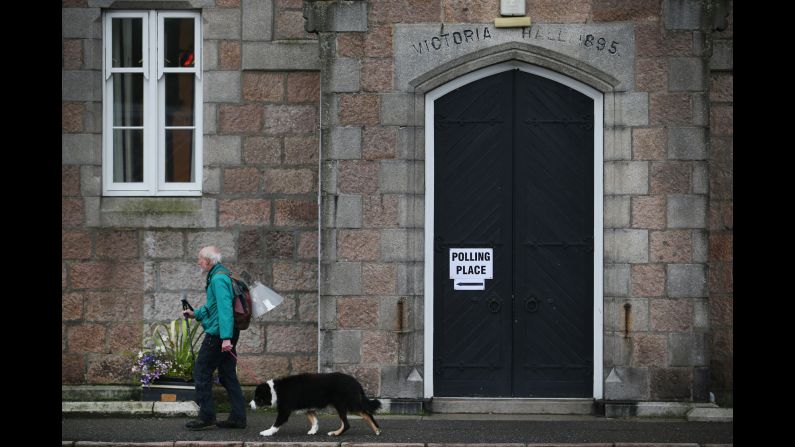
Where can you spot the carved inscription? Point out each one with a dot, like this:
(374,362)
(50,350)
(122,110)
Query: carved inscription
(591,41)
(444,40)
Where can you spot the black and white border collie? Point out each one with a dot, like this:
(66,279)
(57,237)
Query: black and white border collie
(313,392)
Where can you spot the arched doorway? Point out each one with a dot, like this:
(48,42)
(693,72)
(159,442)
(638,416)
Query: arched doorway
(513,187)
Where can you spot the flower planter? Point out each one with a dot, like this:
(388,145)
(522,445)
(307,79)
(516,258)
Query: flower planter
(169,389)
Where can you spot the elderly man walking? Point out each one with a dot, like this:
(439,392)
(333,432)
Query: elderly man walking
(220,339)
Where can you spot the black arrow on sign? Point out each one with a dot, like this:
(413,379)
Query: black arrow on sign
(470,284)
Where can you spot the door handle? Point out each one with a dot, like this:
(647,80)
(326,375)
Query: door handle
(531,305)
(494,306)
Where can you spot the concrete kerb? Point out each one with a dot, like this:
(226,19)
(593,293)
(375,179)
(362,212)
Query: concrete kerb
(348,444)
(139,409)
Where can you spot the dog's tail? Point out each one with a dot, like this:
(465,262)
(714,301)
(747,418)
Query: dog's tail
(370,405)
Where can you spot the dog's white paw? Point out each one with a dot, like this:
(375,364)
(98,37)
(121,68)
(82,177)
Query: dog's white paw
(378,432)
(331,433)
(269,432)
(313,431)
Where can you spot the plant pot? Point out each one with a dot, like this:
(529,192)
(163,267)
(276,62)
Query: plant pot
(169,389)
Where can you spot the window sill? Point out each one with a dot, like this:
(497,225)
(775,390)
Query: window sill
(151,212)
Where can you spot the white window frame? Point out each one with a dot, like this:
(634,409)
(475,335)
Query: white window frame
(154,135)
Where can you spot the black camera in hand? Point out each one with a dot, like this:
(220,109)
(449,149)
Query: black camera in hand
(186,305)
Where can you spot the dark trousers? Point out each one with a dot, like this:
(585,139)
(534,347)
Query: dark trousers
(209,359)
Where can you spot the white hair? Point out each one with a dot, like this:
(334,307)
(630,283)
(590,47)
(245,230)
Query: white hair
(211,253)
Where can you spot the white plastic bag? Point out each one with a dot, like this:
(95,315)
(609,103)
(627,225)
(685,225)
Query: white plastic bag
(263,298)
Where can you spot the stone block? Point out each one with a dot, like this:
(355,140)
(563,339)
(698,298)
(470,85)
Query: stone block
(246,118)
(398,109)
(361,109)
(701,109)
(307,245)
(721,87)
(294,276)
(686,280)
(284,55)
(301,150)
(263,86)
(257,19)
(379,143)
(303,87)
(242,180)
(108,369)
(616,314)
(346,347)
(295,213)
(336,16)
(209,118)
(626,177)
(164,306)
(348,212)
(399,176)
(410,279)
(687,211)
(683,14)
(648,212)
(81,23)
(671,109)
(722,55)
(378,42)
(358,245)
(81,149)
(224,240)
(394,383)
(671,246)
(229,55)
(377,75)
(618,144)
(401,245)
(651,74)
(687,349)
(292,338)
(626,246)
(411,211)
(262,150)
(345,143)
(649,350)
(291,181)
(86,338)
(686,74)
(701,310)
(117,244)
(649,144)
(105,275)
(90,181)
(379,279)
(345,75)
(341,278)
(617,352)
(281,119)
(358,177)
(244,212)
(210,54)
(307,307)
(357,313)
(700,178)
(648,280)
(627,109)
(651,42)
(221,24)
(671,383)
(616,279)
(627,384)
(181,276)
(72,306)
(721,120)
(671,177)
(616,211)
(671,315)
(687,143)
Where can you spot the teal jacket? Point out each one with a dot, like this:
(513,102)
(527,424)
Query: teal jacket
(216,314)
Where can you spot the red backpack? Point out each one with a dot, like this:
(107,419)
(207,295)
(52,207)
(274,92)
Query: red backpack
(241,302)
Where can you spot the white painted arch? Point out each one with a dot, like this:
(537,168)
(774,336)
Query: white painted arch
(598,98)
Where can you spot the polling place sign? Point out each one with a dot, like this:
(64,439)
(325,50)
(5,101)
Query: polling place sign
(471,267)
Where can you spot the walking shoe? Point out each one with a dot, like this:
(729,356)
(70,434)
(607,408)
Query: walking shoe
(230,424)
(199,424)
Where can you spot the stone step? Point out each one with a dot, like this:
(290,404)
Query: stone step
(512,406)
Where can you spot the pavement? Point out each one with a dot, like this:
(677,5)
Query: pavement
(161,424)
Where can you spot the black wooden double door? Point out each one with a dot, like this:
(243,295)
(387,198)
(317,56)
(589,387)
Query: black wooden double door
(513,171)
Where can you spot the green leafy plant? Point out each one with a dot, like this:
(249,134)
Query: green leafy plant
(178,341)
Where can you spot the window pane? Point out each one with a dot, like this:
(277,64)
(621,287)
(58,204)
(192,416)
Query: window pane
(178,42)
(128,155)
(128,99)
(128,42)
(179,155)
(179,99)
